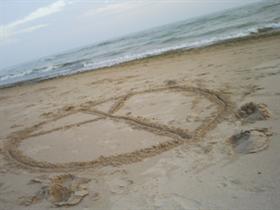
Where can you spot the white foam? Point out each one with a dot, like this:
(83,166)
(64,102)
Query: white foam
(159,51)
(54,70)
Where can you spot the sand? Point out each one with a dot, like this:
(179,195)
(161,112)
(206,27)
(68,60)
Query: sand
(186,130)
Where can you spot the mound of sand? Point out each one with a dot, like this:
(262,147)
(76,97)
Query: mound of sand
(250,141)
(252,112)
(63,190)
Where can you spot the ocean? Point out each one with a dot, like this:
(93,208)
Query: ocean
(247,21)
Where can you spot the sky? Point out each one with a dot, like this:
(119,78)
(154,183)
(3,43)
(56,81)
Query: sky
(30,29)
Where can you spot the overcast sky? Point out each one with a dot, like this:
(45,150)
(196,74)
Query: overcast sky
(30,29)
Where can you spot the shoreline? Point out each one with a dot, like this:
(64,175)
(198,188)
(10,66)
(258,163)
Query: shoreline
(176,52)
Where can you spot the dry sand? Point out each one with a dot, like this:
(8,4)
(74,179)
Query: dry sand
(175,131)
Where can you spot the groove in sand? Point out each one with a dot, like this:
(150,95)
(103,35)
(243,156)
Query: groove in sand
(179,136)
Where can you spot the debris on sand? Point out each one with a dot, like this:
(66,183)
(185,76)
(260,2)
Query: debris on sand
(68,108)
(170,82)
(63,190)
(252,112)
(250,141)
(47,114)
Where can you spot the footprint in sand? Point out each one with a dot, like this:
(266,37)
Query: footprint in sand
(250,141)
(252,112)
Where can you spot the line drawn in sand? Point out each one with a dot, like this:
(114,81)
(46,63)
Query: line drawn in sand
(178,136)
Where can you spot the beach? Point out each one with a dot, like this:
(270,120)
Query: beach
(165,132)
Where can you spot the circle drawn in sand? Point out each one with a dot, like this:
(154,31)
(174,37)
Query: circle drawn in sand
(178,136)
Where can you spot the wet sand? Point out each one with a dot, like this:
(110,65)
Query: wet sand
(160,133)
